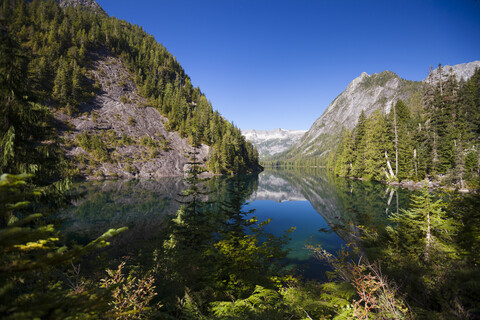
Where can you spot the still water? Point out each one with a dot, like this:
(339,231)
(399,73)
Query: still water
(321,208)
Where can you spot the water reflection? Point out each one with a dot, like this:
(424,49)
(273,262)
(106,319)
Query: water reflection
(339,201)
(323,209)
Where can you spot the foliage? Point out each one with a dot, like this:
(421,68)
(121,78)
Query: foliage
(94,144)
(27,133)
(376,296)
(440,140)
(421,250)
(425,228)
(47,52)
(131,295)
(31,250)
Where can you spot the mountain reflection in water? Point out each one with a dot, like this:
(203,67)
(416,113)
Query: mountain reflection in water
(322,208)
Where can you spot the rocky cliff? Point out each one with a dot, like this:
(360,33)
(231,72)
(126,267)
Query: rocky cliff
(86,4)
(368,93)
(461,71)
(117,134)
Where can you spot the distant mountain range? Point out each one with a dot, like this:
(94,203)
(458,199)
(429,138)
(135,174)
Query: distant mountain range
(368,93)
(273,142)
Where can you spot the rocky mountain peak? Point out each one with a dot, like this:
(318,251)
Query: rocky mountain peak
(368,93)
(87,4)
(274,141)
(462,71)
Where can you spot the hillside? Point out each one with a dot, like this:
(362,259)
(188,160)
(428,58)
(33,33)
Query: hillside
(270,143)
(365,93)
(440,142)
(115,103)
(135,142)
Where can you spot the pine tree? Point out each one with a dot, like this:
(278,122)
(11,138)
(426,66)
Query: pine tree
(375,132)
(31,255)
(360,144)
(404,151)
(346,156)
(425,229)
(26,130)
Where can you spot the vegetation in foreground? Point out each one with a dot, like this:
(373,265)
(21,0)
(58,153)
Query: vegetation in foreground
(213,264)
(216,262)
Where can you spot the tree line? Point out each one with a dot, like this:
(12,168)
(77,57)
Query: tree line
(47,54)
(441,140)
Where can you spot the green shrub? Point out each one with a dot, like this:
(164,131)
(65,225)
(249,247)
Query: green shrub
(93,144)
(131,121)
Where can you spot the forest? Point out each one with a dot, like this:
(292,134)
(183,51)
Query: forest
(46,61)
(440,141)
(213,259)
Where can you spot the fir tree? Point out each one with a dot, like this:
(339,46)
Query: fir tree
(425,229)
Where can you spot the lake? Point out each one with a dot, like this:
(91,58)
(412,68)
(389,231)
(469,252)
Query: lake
(323,210)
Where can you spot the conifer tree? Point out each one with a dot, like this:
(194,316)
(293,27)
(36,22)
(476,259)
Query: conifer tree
(26,129)
(425,229)
(375,132)
(30,252)
(401,119)
(346,156)
(360,142)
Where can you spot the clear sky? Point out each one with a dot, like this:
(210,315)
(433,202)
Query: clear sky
(268,64)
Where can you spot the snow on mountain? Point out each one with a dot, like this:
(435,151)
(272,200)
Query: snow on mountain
(271,142)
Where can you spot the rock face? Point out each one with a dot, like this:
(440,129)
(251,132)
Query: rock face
(462,71)
(88,4)
(368,93)
(135,142)
(272,142)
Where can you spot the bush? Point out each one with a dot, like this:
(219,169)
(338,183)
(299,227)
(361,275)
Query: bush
(93,144)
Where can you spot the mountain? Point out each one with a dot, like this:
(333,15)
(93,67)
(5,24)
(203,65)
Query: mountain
(462,71)
(367,93)
(84,4)
(133,133)
(272,142)
(93,96)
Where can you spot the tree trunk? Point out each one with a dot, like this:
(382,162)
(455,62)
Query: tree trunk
(390,199)
(428,236)
(415,161)
(396,140)
(390,170)
(435,153)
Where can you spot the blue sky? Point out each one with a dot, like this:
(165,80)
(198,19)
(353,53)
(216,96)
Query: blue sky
(268,64)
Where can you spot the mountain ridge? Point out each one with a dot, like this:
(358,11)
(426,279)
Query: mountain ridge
(367,93)
(272,142)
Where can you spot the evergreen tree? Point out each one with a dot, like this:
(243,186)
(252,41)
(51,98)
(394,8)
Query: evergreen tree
(375,131)
(400,117)
(26,129)
(360,145)
(425,229)
(346,156)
